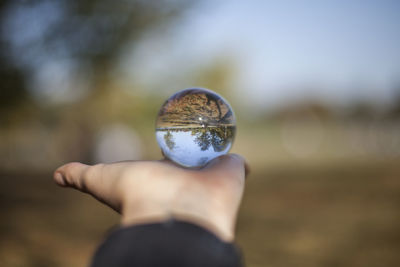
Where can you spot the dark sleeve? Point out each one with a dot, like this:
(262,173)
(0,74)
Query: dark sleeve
(171,243)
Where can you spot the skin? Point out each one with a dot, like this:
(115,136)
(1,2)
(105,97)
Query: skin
(155,191)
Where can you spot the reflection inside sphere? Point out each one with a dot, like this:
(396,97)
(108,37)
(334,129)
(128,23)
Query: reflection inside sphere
(195,126)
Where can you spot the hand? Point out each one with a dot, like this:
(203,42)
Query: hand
(154,191)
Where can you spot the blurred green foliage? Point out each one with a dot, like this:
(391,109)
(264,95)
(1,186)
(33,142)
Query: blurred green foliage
(90,35)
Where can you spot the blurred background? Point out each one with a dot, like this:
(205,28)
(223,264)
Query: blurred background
(316,90)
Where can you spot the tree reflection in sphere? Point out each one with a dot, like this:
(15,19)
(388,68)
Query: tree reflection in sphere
(195,126)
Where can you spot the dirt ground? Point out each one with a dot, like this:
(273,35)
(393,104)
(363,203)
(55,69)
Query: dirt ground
(330,215)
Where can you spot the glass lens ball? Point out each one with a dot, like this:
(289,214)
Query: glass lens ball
(195,126)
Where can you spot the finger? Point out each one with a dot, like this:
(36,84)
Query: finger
(90,178)
(71,175)
(230,165)
(99,180)
(85,178)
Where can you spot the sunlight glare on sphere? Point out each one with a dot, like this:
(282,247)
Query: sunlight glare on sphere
(195,126)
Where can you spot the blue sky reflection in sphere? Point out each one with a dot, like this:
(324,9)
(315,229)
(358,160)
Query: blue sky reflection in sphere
(195,126)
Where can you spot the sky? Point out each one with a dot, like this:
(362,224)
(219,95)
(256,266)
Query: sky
(282,51)
(337,51)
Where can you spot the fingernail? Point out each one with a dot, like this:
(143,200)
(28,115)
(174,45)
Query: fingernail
(59,179)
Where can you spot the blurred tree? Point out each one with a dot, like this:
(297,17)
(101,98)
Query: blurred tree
(87,36)
(12,86)
(302,109)
(395,110)
(13,91)
(362,110)
(68,49)
(217,75)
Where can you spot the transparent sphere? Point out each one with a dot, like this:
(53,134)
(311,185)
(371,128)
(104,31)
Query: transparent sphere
(195,126)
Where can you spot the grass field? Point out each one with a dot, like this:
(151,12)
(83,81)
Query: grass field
(318,215)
